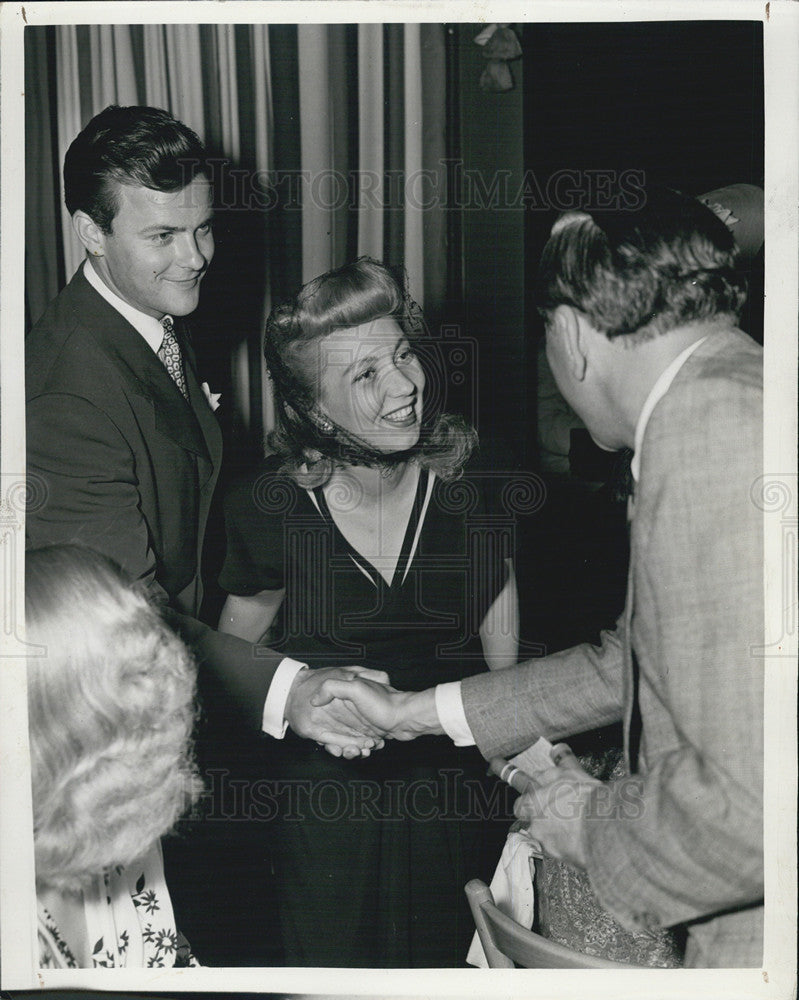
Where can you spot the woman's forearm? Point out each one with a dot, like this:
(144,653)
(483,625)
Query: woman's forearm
(250,617)
(499,632)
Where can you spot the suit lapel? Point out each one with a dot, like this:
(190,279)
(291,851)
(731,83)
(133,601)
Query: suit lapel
(211,458)
(208,464)
(146,376)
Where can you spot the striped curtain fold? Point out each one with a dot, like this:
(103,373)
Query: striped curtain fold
(373,143)
(327,141)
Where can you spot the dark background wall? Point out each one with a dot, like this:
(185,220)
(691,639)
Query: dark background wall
(678,103)
(597,109)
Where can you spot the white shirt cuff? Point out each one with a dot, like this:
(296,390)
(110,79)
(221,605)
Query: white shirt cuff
(274,717)
(451,715)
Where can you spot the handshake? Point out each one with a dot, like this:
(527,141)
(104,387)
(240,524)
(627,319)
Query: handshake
(351,711)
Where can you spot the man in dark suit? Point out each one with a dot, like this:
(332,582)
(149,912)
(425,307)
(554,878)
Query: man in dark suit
(119,430)
(640,310)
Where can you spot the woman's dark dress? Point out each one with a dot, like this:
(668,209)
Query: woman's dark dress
(371,855)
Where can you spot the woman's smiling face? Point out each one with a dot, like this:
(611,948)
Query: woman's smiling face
(371,384)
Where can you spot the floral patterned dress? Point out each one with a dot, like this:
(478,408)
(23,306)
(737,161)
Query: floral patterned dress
(129,922)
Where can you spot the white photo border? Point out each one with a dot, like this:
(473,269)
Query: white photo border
(780,19)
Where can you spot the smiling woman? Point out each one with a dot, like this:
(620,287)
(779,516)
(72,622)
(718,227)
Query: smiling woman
(344,355)
(353,545)
(371,384)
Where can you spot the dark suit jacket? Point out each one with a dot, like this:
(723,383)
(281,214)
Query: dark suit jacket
(681,840)
(128,467)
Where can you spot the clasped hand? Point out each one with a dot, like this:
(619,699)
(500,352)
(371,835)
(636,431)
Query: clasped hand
(334,722)
(556,805)
(356,709)
(369,710)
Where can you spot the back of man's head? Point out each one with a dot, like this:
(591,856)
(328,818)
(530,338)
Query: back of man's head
(642,272)
(141,146)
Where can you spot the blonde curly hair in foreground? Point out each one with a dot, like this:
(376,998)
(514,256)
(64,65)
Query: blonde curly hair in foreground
(111,701)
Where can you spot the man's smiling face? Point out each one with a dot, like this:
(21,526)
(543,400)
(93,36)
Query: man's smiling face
(159,247)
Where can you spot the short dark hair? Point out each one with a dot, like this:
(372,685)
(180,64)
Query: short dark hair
(355,293)
(642,272)
(134,145)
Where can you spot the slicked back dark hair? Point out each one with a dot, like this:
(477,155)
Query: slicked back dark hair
(136,145)
(642,272)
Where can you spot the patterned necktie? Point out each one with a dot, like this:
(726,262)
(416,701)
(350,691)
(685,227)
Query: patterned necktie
(169,353)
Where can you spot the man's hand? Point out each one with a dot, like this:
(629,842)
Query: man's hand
(336,725)
(398,715)
(555,809)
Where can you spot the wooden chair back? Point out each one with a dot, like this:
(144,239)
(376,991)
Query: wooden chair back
(508,944)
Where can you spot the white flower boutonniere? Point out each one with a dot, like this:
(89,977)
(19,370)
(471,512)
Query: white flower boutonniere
(212,397)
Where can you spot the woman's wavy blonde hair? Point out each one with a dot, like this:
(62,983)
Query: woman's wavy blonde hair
(111,702)
(356,293)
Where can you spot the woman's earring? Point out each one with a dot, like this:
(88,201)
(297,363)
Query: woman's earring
(321,422)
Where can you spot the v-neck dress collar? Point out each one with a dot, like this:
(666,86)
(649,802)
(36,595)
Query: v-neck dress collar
(421,502)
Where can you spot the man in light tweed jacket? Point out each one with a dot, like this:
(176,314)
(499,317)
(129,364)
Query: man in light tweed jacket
(640,310)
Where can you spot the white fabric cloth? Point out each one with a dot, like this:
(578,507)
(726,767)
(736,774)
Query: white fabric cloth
(273,722)
(449,706)
(130,912)
(512,889)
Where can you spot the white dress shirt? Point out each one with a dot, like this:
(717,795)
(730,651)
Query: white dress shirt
(449,703)
(273,721)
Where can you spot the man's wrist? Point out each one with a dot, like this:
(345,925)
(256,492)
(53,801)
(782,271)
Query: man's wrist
(278,699)
(418,714)
(451,714)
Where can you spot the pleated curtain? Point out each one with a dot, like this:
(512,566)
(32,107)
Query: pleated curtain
(330,142)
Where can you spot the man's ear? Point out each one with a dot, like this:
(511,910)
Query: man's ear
(568,330)
(89,233)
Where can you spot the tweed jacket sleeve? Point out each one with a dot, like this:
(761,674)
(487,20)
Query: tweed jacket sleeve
(557,696)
